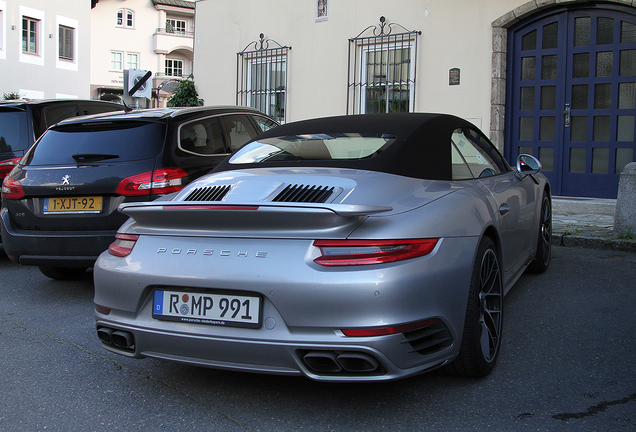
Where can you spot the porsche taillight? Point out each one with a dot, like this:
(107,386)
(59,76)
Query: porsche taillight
(11,188)
(161,181)
(362,252)
(123,245)
(388,330)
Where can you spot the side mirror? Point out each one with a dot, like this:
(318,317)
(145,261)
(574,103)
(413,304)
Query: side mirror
(527,165)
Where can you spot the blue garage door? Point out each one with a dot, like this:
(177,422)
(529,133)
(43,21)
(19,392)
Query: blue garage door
(572,97)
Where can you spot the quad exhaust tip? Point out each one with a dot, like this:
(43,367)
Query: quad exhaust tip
(325,362)
(118,338)
(331,362)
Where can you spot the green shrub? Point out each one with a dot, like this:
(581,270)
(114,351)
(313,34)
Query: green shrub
(185,95)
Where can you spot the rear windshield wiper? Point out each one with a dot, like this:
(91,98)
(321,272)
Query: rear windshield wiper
(93,156)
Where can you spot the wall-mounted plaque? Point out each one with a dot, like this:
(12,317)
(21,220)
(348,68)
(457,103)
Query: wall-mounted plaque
(453,76)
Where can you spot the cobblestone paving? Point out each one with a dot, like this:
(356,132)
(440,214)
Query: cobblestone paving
(584,225)
(594,231)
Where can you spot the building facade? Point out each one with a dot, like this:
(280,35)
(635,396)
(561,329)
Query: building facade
(553,78)
(154,35)
(44,48)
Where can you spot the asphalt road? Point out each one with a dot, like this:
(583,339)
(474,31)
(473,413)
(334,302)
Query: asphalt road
(568,363)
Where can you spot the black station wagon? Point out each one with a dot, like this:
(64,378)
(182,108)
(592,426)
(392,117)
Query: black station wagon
(59,204)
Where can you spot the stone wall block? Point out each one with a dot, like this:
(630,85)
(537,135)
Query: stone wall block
(625,216)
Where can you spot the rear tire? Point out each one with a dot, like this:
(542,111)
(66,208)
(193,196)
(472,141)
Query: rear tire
(483,324)
(544,241)
(63,273)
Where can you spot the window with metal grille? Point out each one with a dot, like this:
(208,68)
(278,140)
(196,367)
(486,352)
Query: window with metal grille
(174,67)
(382,67)
(30,29)
(262,77)
(66,42)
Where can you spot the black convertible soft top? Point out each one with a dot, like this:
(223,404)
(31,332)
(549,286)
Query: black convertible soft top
(421,150)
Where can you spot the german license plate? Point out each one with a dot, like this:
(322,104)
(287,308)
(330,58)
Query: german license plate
(207,308)
(85,204)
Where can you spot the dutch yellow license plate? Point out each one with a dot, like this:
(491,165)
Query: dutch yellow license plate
(86,204)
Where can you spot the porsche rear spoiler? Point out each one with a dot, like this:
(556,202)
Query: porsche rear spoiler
(262,219)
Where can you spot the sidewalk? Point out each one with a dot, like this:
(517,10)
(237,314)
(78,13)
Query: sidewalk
(586,222)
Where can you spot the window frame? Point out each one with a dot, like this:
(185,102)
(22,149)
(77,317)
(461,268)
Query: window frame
(121,61)
(125,18)
(30,34)
(129,64)
(263,51)
(172,26)
(2,27)
(64,42)
(388,37)
(130,19)
(274,96)
(172,67)
(384,82)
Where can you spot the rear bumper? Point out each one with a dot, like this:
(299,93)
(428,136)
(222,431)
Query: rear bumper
(53,248)
(330,357)
(304,307)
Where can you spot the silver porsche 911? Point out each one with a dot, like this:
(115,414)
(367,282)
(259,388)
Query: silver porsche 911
(353,248)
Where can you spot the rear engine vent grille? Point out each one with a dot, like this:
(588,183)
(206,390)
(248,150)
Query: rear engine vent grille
(430,339)
(302,193)
(208,193)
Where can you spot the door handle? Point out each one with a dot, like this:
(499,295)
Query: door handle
(567,115)
(503,209)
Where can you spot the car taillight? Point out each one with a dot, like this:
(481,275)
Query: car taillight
(11,188)
(387,330)
(161,181)
(102,310)
(361,252)
(123,245)
(6,166)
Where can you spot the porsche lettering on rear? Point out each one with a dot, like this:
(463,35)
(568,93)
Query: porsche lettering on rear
(210,252)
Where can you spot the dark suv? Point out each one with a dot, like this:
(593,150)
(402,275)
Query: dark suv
(59,204)
(23,121)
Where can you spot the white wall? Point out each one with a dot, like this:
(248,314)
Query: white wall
(141,39)
(44,74)
(106,36)
(455,34)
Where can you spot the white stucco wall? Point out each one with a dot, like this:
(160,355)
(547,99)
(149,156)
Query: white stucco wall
(455,34)
(139,39)
(44,75)
(136,40)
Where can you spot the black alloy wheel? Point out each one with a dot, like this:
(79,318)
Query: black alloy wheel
(544,241)
(484,316)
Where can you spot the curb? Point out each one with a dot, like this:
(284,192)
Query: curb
(594,242)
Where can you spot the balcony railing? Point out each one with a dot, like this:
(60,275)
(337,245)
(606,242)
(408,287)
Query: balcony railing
(174,32)
(165,41)
(162,75)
